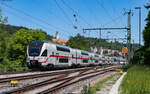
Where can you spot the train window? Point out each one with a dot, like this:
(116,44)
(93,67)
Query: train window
(44,53)
(96,61)
(72,56)
(84,53)
(52,53)
(64,49)
(96,55)
(85,61)
(63,60)
(35,48)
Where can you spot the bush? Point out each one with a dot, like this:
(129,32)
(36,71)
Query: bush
(12,66)
(147,56)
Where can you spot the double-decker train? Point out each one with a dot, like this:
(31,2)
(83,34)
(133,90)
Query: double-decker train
(46,55)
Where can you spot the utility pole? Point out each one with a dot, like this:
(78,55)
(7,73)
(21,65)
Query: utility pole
(99,34)
(128,28)
(139,8)
(129,36)
(100,40)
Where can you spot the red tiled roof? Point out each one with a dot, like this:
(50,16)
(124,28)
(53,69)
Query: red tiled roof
(59,40)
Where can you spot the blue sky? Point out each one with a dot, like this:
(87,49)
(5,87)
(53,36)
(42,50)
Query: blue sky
(54,15)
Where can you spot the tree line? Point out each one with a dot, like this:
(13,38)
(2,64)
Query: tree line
(15,39)
(142,55)
(13,47)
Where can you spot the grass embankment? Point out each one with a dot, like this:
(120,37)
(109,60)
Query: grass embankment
(136,81)
(97,86)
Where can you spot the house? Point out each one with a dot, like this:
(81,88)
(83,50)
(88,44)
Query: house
(58,40)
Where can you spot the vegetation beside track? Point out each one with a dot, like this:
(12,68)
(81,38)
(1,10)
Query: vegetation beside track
(97,86)
(137,80)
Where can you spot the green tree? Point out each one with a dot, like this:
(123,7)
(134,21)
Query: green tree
(146,32)
(84,43)
(3,38)
(79,42)
(146,37)
(19,42)
(3,44)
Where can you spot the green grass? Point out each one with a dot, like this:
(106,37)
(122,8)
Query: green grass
(97,86)
(136,81)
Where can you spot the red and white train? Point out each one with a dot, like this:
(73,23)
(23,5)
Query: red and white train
(46,55)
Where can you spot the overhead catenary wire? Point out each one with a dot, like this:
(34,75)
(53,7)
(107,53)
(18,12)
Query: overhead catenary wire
(113,8)
(29,21)
(105,10)
(74,11)
(54,28)
(65,14)
(117,18)
(52,13)
(65,32)
(91,12)
(35,18)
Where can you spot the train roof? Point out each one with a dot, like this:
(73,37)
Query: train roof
(38,41)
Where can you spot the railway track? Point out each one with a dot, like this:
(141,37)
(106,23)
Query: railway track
(32,76)
(19,72)
(69,82)
(63,80)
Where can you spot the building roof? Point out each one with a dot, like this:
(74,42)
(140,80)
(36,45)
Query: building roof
(59,40)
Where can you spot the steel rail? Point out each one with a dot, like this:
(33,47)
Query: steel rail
(53,80)
(31,76)
(54,89)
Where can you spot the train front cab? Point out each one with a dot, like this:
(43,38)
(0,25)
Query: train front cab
(37,54)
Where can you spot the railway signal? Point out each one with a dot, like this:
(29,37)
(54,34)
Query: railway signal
(124,50)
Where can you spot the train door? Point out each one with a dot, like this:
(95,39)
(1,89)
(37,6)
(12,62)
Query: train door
(44,56)
(73,58)
(91,61)
(78,58)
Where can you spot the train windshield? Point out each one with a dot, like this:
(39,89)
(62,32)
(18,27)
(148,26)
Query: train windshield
(35,48)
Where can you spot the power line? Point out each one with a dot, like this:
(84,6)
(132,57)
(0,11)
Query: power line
(67,5)
(117,18)
(65,14)
(29,21)
(26,14)
(52,13)
(102,6)
(91,12)
(58,17)
(114,10)
(37,19)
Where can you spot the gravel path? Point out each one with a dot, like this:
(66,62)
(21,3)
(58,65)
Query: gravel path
(77,88)
(115,88)
(108,85)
